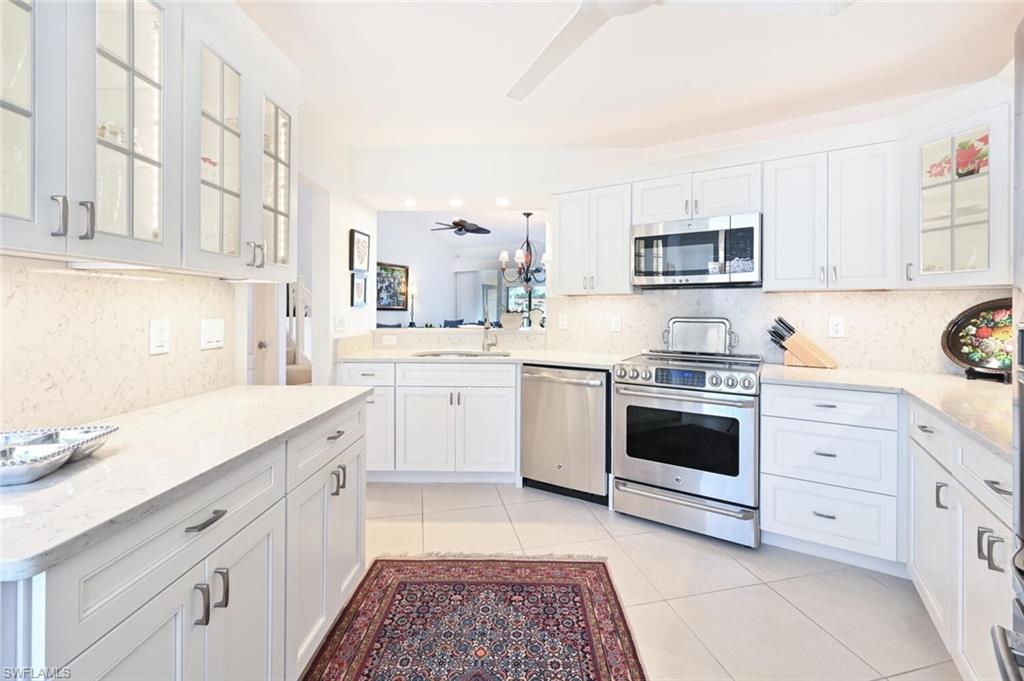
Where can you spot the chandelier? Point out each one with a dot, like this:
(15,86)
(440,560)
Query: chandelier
(527,270)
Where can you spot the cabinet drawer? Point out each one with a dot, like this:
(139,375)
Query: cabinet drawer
(322,441)
(859,458)
(467,375)
(827,405)
(846,519)
(932,432)
(988,476)
(360,373)
(88,594)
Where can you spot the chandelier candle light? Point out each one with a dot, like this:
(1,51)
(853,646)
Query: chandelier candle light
(527,272)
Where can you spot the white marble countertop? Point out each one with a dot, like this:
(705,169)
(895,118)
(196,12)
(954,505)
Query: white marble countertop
(984,409)
(565,358)
(160,454)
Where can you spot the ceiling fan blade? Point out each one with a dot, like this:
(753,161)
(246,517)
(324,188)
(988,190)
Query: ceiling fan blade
(584,22)
(481,230)
(444,229)
(445,224)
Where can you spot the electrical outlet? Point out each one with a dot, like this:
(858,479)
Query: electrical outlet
(211,334)
(563,321)
(836,327)
(616,322)
(389,340)
(159,336)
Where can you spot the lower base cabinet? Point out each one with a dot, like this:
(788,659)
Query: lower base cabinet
(380,430)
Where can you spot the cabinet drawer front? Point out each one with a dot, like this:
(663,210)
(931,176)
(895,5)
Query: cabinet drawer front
(360,373)
(88,594)
(467,375)
(930,431)
(322,441)
(847,519)
(859,458)
(826,405)
(989,477)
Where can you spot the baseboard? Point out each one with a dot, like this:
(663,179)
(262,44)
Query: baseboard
(439,476)
(889,567)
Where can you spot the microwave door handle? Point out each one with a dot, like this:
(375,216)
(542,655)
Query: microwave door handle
(722,263)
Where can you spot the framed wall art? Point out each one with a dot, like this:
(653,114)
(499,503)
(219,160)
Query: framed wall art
(392,286)
(358,251)
(358,289)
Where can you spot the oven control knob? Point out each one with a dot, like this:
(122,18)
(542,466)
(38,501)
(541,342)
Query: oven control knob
(645,374)
(747,383)
(620,372)
(730,381)
(634,374)
(714,380)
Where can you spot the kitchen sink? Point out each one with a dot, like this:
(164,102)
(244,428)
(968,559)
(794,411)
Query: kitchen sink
(459,353)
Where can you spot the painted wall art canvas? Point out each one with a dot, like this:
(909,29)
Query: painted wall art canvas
(358,251)
(392,286)
(358,289)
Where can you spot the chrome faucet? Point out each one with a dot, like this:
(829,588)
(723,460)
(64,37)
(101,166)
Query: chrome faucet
(490,340)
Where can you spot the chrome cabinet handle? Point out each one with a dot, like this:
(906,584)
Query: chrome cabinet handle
(584,283)
(990,557)
(821,274)
(204,591)
(458,398)
(336,476)
(686,206)
(939,486)
(338,434)
(368,374)
(591,283)
(826,516)
(825,405)
(998,489)
(225,576)
(926,429)
(982,531)
(252,253)
(214,517)
(909,266)
(262,247)
(835,274)
(827,455)
(696,207)
(371,401)
(90,221)
(62,206)
(451,399)
(344,476)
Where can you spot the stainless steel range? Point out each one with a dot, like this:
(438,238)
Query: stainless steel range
(685,448)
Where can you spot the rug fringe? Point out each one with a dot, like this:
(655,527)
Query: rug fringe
(498,555)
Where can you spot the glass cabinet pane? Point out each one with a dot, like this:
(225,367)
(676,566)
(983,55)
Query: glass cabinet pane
(232,225)
(284,129)
(147,120)
(269,126)
(971,201)
(232,161)
(268,234)
(15,55)
(281,250)
(209,219)
(210,86)
(112,27)
(111,102)
(269,183)
(936,206)
(232,98)
(283,185)
(936,249)
(15,164)
(209,133)
(146,38)
(146,201)
(112,187)
(970,248)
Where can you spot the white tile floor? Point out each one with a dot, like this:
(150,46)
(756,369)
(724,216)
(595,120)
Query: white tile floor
(699,608)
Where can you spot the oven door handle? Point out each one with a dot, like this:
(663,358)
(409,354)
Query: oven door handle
(621,486)
(747,404)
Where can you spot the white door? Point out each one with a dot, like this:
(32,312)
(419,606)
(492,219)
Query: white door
(934,540)
(160,641)
(661,200)
(345,553)
(33,126)
(307,592)
(570,225)
(485,429)
(124,130)
(609,240)
(425,429)
(987,594)
(863,236)
(380,430)
(796,223)
(245,640)
(727,191)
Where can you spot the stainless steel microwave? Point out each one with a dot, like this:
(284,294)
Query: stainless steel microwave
(719,251)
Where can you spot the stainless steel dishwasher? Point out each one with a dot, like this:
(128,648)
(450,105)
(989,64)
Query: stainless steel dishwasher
(565,428)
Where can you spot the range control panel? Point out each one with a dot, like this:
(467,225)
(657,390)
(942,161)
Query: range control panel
(687,378)
(725,379)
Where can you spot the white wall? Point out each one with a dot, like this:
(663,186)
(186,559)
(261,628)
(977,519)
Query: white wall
(406,239)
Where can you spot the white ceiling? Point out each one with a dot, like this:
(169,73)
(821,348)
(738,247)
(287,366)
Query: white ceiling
(436,73)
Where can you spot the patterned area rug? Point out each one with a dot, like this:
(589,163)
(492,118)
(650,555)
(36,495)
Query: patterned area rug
(492,619)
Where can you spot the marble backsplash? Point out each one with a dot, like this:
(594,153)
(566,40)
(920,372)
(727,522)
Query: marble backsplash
(74,345)
(884,329)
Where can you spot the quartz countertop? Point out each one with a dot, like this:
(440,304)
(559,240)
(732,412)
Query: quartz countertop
(159,455)
(984,409)
(563,358)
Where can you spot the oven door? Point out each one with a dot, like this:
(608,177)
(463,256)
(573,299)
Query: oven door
(693,442)
(680,253)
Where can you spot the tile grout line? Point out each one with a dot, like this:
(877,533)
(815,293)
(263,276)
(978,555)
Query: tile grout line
(514,530)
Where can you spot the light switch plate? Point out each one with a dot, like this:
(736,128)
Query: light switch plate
(211,334)
(616,322)
(836,327)
(339,321)
(159,336)
(563,321)
(389,340)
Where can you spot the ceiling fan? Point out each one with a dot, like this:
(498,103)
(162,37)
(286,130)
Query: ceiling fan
(461,227)
(590,15)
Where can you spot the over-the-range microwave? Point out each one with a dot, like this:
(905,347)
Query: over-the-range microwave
(718,251)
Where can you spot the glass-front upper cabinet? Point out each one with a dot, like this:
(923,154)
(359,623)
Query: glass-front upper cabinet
(277,241)
(125,130)
(957,204)
(33,137)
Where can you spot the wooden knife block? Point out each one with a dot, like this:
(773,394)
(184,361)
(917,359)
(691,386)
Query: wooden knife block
(802,352)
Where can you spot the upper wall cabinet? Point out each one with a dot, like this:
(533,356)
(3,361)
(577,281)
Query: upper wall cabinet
(957,203)
(796,223)
(727,191)
(662,200)
(591,241)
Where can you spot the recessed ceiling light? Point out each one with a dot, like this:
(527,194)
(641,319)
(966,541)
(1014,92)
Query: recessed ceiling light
(410,202)
(456,202)
(501,201)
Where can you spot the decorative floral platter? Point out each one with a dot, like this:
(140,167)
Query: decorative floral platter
(981,337)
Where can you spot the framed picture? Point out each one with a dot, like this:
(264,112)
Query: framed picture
(358,251)
(392,286)
(358,290)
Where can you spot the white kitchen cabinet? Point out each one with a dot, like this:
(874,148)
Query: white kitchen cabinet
(485,429)
(163,640)
(591,236)
(727,191)
(934,540)
(662,200)
(245,636)
(863,220)
(425,428)
(380,430)
(796,223)
(324,553)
